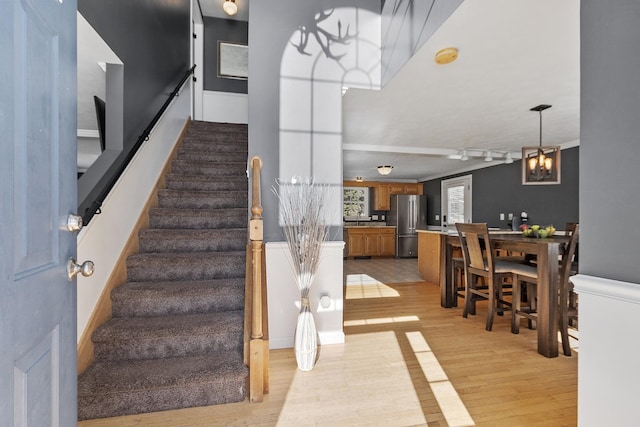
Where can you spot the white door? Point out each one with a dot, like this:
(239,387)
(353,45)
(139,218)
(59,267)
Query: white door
(38,190)
(456,202)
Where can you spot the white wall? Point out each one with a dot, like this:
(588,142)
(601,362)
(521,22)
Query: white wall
(225,107)
(283,296)
(103,239)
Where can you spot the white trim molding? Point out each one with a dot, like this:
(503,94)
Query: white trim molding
(283,297)
(608,374)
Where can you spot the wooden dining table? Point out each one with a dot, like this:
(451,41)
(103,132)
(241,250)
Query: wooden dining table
(546,252)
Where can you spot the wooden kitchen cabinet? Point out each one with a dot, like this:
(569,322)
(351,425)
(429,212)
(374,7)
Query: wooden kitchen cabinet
(381,197)
(387,242)
(371,241)
(406,188)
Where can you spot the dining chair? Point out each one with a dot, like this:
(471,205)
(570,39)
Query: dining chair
(567,307)
(479,261)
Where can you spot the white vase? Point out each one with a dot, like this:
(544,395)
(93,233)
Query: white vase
(306,339)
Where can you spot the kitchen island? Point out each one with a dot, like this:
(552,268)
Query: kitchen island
(366,240)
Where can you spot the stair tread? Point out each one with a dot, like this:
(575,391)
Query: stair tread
(152,328)
(114,377)
(148,299)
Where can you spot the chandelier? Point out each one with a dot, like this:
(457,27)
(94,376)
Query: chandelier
(541,164)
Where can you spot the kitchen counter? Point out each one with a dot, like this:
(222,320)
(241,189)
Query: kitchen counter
(369,226)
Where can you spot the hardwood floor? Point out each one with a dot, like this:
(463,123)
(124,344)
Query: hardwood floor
(406,362)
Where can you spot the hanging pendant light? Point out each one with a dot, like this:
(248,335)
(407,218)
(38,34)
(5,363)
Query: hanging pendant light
(541,165)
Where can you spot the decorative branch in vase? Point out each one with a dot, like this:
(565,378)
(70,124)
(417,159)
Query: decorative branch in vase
(305,227)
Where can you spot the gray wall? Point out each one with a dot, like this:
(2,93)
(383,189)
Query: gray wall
(152,38)
(272,23)
(609,140)
(499,189)
(226,30)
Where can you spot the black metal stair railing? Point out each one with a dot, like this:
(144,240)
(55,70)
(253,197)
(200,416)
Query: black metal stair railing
(94,207)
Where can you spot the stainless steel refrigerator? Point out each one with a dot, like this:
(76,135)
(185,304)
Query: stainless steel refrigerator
(407,214)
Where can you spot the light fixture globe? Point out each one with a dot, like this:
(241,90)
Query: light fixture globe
(230,7)
(385,170)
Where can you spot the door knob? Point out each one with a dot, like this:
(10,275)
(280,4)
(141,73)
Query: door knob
(73,268)
(74,222)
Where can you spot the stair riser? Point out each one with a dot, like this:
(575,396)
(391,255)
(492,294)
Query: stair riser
(196,222)
(176,182)
(135,348)
(201,203)
(216,156)
(136,305)
(217,170)
(160,245)
(171,270)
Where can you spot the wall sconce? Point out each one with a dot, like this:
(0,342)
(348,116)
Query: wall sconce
(384,170)
(230,7)
(540,165)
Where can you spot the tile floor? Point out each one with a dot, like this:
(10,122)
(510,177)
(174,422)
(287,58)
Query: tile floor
(385,270)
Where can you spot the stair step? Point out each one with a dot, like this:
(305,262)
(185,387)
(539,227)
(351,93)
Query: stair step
(218,144)
(168,198)
(185,266)
(109,389)
(195,154)
(212,169)
(148,299)
(197,218)
(135,338)
(186,240)
(205,183)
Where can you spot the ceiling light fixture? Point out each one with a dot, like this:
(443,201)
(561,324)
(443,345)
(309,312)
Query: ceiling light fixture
(487,157)
(446,55)
(230,7)
(508,159)
(541,165)
(464,156)
(384,170)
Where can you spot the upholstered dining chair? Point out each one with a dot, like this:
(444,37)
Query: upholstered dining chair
(567,308)
(479,261)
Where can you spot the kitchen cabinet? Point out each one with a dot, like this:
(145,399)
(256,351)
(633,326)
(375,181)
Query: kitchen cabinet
(406,188)
(371,241)
(387,242)
(381,197)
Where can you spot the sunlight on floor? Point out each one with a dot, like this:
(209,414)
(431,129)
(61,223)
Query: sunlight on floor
(448,399)
(360,286)
(365,379)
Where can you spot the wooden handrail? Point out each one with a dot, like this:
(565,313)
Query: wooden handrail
(255,300)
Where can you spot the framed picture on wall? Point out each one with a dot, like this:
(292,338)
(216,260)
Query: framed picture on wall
(233,59)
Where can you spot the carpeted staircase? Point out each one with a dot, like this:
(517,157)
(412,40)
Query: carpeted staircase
(176,336)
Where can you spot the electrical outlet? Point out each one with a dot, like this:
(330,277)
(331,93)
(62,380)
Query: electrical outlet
(501,217)
(510,216)
(437,217)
